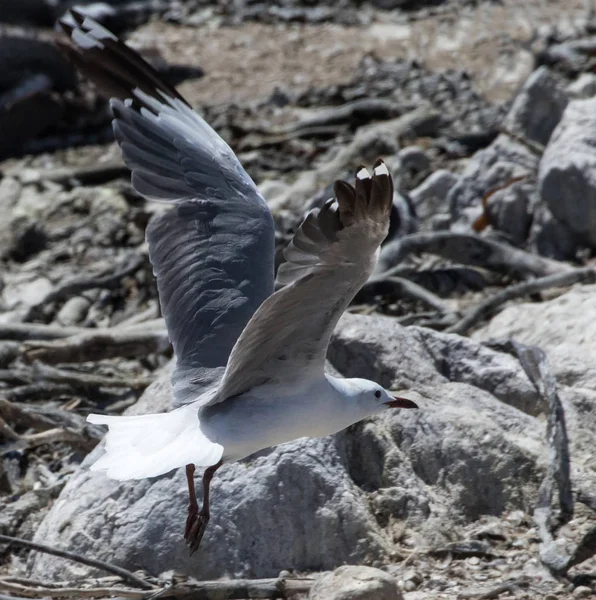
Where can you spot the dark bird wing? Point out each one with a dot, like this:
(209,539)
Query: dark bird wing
(213,252)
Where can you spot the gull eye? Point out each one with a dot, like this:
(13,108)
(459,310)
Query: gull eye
(378,394)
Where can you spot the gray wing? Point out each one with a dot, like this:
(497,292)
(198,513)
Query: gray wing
(213,252)
(329,259)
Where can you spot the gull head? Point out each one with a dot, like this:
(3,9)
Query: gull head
(372,398)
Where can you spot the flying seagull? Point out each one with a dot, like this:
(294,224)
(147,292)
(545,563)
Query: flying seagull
(249,362)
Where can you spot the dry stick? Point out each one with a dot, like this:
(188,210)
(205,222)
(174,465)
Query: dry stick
(235,589)
(468,249)
(488,306)
(86,381)
(90,562)
(88,175)
(97,345)
(82,284)
(535,364)
(39,391)
(34,331)
(70,592)
(408,289)
(53,436)
(42,420)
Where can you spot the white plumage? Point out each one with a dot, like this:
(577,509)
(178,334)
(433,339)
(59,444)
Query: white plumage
(150,445)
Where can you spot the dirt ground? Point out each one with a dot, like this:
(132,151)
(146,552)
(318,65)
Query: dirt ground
(492,41)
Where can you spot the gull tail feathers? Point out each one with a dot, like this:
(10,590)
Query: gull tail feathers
(150,445)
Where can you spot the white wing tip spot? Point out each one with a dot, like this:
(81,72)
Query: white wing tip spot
(363,174)
(382,169)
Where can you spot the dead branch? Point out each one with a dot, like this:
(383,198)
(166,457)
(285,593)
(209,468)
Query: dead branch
(535,364)
(97,345)
(85,381)
(39,391)
(81,284)
(468,249)
(87,175)
(40,419)
(190,590)
(55,425)
(399,286)
(361,111)
(37,331)
(488,306)
(70,592)
(90,562)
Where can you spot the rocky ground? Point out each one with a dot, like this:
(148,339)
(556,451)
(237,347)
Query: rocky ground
(481,306)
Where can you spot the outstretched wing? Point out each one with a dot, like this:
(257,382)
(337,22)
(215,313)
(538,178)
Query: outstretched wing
(331,256)
(213,252)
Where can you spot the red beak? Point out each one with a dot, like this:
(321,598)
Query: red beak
(401,403)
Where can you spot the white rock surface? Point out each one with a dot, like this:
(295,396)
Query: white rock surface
(565,328)
(355,583)
(320,503)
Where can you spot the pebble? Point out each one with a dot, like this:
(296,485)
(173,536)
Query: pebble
(582,591)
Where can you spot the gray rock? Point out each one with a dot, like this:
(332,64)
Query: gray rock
(567,176)
(315,504)
(73,311)
(583,87)
(565,328)
(537,108)
(509,211)
(488,169)
(550,238)
(355,583)
(430,197)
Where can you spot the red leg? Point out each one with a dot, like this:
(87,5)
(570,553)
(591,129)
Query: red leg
(196,522)
(193,507)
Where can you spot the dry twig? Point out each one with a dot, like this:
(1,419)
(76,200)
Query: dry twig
(98,345)
(468,249)
(534,362)
(233,589)
(406,289)
(488,306)
(86,381)
(90,562)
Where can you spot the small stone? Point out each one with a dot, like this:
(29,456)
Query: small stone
(74,311)
(409,586)
(582,591)
(356,583)
(551,597)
